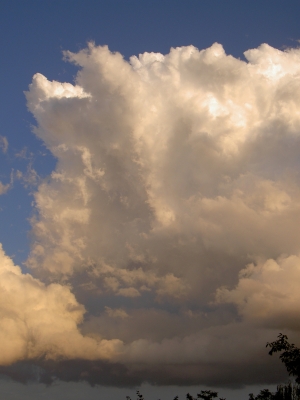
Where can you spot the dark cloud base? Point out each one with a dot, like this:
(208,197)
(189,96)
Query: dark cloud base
(118,375)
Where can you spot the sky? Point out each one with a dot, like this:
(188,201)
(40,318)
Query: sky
(149,196)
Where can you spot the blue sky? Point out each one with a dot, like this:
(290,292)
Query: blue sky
(173,253)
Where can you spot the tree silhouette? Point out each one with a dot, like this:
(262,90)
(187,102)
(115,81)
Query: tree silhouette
(290,356)
(204,394)
(207,395)
(264,394)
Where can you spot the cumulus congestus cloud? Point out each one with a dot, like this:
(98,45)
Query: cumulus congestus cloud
(174,173)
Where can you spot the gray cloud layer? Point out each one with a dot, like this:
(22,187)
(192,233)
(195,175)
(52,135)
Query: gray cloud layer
(172,215)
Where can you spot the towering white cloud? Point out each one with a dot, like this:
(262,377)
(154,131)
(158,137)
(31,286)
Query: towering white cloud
(173,173)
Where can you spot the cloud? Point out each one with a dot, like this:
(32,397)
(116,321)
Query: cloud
(116,313)
(40,321)
(174,172)
(268,293)
(29,178)
(4,188)
(3,144)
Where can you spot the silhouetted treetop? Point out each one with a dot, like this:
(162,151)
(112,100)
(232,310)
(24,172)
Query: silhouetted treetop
(290,355)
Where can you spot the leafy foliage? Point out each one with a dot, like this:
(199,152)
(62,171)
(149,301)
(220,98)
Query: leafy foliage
(207,395)
(290,356)
(204,394)
(139,396)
